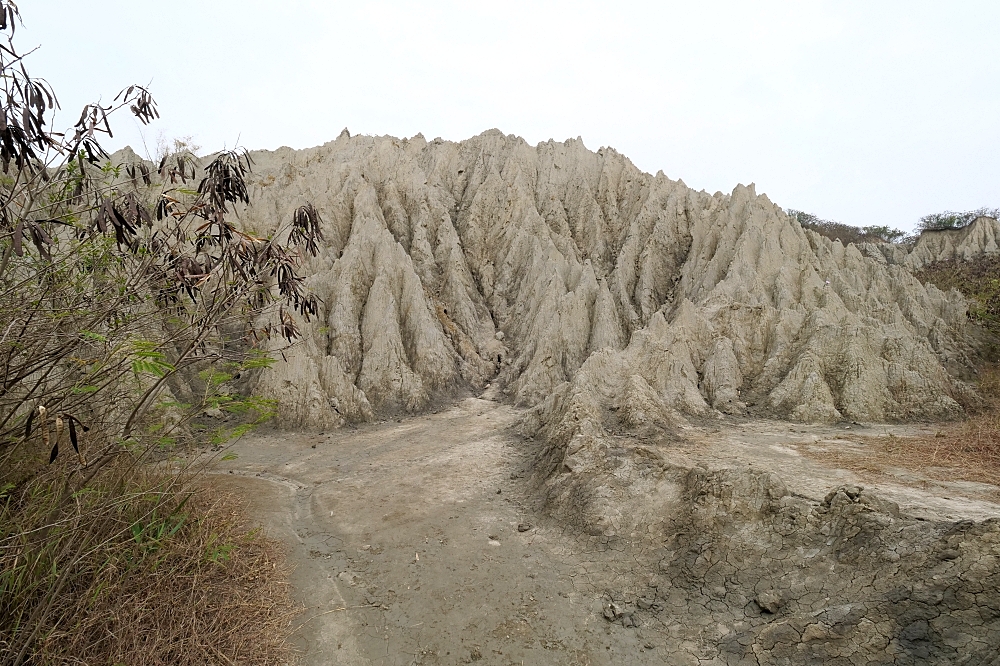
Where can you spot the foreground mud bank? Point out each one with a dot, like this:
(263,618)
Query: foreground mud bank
(851,579)
(429,540)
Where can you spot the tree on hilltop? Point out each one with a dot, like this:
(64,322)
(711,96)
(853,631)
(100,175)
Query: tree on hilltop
(952,220)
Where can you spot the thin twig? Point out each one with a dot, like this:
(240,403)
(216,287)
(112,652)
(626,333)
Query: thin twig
(335,610)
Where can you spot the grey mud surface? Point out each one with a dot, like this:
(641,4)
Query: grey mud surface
(422,542)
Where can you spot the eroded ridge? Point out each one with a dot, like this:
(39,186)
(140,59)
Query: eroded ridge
(610,310)
(568,279)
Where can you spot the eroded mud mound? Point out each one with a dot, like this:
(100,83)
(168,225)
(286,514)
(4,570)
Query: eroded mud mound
(757,574)
(573,281)
(781,579)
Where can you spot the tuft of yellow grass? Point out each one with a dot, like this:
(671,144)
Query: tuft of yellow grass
(968,450)
(146,567)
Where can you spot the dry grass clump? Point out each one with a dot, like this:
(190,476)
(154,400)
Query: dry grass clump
(969,451)
(965,451)
(144,567)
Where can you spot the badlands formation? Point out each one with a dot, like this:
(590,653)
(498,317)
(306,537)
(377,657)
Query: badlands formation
(609,307)
(571,282)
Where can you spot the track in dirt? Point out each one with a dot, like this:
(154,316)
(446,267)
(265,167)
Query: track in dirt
(413,529)
(416,542)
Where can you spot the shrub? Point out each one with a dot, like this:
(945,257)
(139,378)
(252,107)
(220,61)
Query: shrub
(846,233)
(128,303)
(952,220)
(147,569)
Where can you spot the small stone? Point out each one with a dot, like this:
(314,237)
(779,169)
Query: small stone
(523,527)
(769,600)
(853,491)
(645,604)
(499,491)
(475,655)
(950,554)
(815,632)
(313,446)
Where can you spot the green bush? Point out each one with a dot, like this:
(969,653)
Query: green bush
(978,279)
(952,220)
(846,233)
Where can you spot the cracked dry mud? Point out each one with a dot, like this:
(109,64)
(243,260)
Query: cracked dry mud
(429,541)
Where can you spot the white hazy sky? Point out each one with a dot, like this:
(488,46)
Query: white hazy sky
(873,112)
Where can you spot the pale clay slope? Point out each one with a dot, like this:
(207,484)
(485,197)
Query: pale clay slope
(577,283)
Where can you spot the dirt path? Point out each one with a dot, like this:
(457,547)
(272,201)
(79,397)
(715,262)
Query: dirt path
(420,533)
(413,542)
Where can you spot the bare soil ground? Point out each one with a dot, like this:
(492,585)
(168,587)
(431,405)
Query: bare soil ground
(417,541)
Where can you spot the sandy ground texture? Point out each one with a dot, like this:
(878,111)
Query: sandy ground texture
(425,541)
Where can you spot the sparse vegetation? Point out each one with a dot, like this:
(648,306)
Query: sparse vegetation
(974,446)
(978,279)
(130,305)
(146,569)
(969,450)
(952,220)
(846,233)
(964,451)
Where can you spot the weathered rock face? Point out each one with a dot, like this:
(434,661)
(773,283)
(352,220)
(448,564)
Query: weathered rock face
(576,283)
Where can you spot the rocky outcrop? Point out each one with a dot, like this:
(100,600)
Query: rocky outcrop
(982,236)
(568,277)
